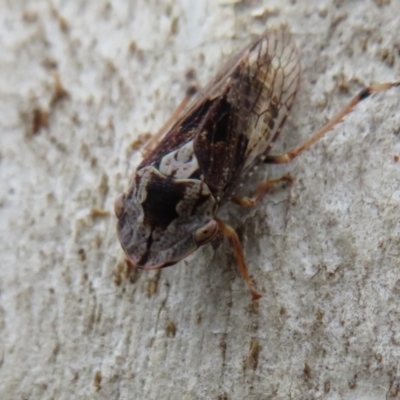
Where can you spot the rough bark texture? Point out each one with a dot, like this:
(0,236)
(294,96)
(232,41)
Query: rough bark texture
(77,324)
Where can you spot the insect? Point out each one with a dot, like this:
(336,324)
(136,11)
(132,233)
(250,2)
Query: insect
(171,207)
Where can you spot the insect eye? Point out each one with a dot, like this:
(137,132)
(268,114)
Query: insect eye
(205,233)
(119,205)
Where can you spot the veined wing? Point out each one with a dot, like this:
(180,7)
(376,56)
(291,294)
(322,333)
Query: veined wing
(274,74)
(235,120)
(186,127)
(249,106)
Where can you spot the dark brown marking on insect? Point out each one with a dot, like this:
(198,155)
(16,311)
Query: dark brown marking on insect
(274,101)
(200,200)
(219,130)
(219,148)
(245,92)
(142,261)
(364,94)
(271,124)
(163,195)
(274,110)
(180,133)
(196,175)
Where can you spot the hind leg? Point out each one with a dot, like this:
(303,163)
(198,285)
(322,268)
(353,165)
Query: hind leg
(262,188)
(290,155)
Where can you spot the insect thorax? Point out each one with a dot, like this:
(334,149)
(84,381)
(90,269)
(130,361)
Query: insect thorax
(161,214)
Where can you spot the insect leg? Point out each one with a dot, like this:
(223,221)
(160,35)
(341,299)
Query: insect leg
(262,188)
(290,155)
(230,233)
(191,91)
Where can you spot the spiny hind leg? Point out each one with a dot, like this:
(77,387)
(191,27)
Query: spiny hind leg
(290,155)
(262,188)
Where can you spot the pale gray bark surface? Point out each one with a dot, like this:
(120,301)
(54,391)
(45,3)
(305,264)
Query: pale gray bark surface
(325,252)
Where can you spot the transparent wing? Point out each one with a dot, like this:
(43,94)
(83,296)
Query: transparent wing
(270,81)
(248,103)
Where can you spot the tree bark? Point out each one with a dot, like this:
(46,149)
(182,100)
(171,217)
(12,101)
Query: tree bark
(81,85)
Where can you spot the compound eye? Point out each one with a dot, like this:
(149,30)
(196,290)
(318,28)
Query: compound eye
(119,205)
(205,233)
